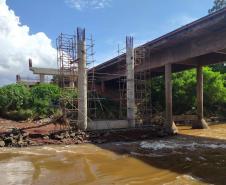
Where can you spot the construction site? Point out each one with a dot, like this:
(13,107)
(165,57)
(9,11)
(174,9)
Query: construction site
(123,79)
(152,113)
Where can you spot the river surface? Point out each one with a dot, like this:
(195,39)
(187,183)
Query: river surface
(194,157)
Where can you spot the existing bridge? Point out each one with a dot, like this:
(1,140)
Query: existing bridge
(200,43)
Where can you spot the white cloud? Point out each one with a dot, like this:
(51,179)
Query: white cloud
(93,4)
(17,45)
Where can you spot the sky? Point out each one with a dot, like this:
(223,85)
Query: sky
(29,28)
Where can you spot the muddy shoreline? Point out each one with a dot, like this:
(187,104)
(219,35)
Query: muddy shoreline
(24,134)
(21,138)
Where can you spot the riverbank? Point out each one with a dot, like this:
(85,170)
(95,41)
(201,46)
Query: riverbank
(23,134)
(43,132)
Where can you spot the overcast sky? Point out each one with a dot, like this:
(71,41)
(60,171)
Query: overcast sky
(28,28)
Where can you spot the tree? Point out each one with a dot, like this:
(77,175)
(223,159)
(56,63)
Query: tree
(218,4)
(184,92)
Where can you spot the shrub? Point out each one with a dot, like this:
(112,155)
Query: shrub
(19,115)
(14,97)
(45,97)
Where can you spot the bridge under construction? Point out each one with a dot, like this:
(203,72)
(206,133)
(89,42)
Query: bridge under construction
(123,78)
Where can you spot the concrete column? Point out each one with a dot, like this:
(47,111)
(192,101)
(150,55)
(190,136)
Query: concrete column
(201,123)
(82,79)
(42,78)
(170,126)
(130,82)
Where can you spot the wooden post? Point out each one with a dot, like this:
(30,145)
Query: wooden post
(170,126)
(200,123)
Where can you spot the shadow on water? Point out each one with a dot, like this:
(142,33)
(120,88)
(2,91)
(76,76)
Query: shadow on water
(199,154)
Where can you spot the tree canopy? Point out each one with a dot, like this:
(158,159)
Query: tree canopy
(217,5)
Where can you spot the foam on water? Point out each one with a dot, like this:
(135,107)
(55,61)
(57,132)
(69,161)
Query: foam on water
(175,144)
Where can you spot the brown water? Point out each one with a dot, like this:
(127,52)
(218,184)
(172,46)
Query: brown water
(193,158)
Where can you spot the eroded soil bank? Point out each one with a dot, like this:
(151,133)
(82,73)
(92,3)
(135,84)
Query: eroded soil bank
(23,134)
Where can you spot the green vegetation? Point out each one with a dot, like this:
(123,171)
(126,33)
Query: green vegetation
(19,102)
(44,98)
(217,5)
(184,92)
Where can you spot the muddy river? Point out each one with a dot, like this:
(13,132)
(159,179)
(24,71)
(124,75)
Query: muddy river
(194,157)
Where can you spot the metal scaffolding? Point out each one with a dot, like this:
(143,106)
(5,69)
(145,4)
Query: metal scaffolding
(94,101)
(142,91)
(67,63)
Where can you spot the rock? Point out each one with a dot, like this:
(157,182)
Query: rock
(10,141)
(16,137)
(15,131)
(58,137)
(202,158)
(63,135)
(188,159)
(80,138)
(25,134)
(2,143)
(64,141)
(46,137)
(21,143)
(78,142)
(20,137)
(67,135)
(32,143)
(72,134)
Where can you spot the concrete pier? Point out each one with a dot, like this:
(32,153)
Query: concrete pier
(130,82)
(170,126)
(42,78)
(200,123)
(82,79)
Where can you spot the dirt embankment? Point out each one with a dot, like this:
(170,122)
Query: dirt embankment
(22,134)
